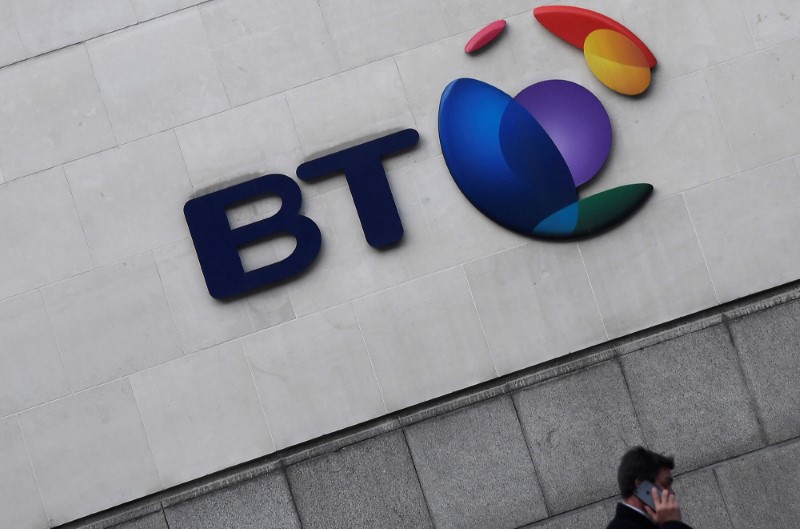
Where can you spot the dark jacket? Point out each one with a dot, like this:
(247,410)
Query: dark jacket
(627,518)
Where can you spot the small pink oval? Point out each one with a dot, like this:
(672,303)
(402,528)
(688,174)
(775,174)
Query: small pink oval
(485,36)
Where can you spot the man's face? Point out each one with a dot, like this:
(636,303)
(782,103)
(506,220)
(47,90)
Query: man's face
(664,479)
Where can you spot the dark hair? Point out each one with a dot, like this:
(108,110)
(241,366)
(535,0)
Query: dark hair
(642,464)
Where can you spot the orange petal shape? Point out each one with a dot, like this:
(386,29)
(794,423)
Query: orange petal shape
(617,62)
(574,24)
(485,36)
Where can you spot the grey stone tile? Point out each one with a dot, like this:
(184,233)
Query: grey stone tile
(31,371)
(146,9)
(46,25)
(475,468)
(11,48)
(47,243)
(155,520)
(578,427)
(264,47)
(20,502)
(768,343)
(262,502)
(51,112)
(595,516)
(762,490)
(157,75)
(691,400)
(371,484)
(701,501)
(772,21)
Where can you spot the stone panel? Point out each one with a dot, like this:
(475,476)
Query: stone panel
(708,32)
(11,48)
(463,15)
(202,413)
(535,304)
(424,338)
(475,468)
(644,274)
(746,227)
(130,199)
(369,485)
(31,371)
(595,516)
(45,25)
(147,9)
(763,489)
(701,501)
(20,503)
(265,47)
(368,31)
(314,376)
(52,113)
(157,75)
(262,502)
(756,98)
(768,344)
(112,322)
(691,400)
(108,460)
(47,243)
(772,21)
(578,427)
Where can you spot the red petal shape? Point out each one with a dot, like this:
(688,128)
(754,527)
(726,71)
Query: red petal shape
(573,24)
(485,36)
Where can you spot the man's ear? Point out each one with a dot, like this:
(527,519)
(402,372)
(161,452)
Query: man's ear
(637,482)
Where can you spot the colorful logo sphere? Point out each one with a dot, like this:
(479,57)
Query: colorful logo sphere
(519,160)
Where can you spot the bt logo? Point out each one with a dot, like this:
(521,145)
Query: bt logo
(518,160)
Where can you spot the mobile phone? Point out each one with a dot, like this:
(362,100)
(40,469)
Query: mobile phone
(645,493)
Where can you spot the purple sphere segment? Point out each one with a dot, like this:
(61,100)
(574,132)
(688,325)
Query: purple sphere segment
(575,120)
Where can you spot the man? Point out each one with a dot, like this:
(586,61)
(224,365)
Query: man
(638,465)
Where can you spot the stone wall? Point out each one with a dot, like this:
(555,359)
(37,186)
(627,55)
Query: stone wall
(540,449)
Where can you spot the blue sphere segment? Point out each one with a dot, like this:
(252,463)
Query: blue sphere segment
(500,156)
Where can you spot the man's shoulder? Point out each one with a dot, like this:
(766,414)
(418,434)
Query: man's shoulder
(628,518)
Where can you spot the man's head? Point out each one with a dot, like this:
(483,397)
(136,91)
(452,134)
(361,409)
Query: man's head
(640,464)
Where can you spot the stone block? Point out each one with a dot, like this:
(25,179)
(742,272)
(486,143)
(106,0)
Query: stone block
(761,490)
(45,25)
(11,48)
(108,462)
(261,502)
(595,516)
(202,413)
(691,400)
(463,15)
(51,111)
(475,468)
(147,9)
(368,31)
(643,274)
(701,501)
(265,47)
(157,75)
(753,249)
(756,99)
(709,33)
(20,502)
(31,371)
(47,243)
(535,303)
(369,485)
(424,338)
(112,322)
(314,376)
(772,21)
(120,210)
(155,520)
(578,427)
(768,344)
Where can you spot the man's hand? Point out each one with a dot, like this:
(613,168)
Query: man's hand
(667,508)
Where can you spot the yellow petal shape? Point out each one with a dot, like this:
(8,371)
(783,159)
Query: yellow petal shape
(617,62)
